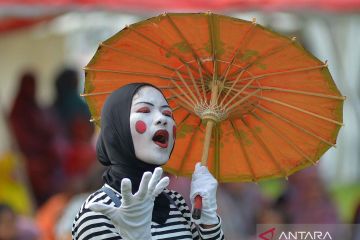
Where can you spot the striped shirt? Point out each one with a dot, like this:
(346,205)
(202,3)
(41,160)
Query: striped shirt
(93,225)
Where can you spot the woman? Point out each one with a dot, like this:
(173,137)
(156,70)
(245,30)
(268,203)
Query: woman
(34,130)
(137,136)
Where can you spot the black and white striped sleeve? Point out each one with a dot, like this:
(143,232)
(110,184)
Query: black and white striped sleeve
(92,225)
(214,233)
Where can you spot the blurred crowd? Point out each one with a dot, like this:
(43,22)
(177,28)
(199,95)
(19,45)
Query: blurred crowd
(51,167)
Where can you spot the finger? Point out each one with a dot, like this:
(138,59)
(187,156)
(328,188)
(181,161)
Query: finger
(197,166)
(126,193)
(163,183)
(143,188)
(108,211)
(155,179)
(200,169)
(197,171)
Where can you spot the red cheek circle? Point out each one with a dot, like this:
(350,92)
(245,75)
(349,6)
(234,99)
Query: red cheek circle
(174,132)
(140,126)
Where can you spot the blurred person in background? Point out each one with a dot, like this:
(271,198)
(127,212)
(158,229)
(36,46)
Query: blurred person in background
(92,181)
(239,202)
(74,144)
(34,131)
(272,212)
(7,223)
(16,227)
(306,200)
(356,223)
(59,209)
(78,152)
(13,187)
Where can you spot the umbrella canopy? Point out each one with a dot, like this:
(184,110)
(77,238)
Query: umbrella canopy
(264,106)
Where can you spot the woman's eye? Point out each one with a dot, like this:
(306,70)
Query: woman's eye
(167,113)
(143,110)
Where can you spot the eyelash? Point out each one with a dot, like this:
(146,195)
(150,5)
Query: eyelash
(147,110)
(143,110)
(167,113)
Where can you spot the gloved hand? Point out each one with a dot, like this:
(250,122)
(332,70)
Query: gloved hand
(205,185)
(133,217)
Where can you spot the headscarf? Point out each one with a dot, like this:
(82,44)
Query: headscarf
(115,147)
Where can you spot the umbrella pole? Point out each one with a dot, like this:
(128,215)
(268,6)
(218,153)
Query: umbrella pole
(209,126)
(208,132)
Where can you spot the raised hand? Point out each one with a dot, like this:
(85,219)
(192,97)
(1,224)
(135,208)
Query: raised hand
(133,217)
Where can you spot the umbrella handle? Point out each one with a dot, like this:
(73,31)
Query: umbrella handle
(196,214)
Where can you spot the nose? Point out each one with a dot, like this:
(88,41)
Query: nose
(160,119)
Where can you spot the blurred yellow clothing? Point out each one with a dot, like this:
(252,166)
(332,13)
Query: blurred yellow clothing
(13,189)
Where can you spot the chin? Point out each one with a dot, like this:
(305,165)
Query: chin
(158,159)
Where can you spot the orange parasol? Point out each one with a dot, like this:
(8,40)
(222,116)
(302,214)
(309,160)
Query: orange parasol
(250,102)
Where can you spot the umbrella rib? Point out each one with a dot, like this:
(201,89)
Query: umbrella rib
(266,55)
(185,104)
(213,44)
(249,31)
(294,125)
(187,43)
(184,119)
(243,100)
(188,147)
(238,93)
(187,87)
(193,80)
(231,88)
(241,143)
(145,59)
(202,82)
(160,46)
(130,73)
(283,137)
(295,108)
(300,110)
(106,93)
(267,150)
(189,101)
(94,94)
(176,108)
(313,94)
(285,72)
(242,70)
(172,97)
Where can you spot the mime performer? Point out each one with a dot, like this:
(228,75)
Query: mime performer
(137,137)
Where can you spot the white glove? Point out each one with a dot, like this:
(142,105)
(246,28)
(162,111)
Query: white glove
(133,217)
(205,185)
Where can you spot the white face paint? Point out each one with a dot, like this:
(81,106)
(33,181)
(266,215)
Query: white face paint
(152,126)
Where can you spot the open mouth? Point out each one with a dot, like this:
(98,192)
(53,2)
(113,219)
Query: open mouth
(161,138)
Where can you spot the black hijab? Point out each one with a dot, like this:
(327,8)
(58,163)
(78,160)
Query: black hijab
(115,147)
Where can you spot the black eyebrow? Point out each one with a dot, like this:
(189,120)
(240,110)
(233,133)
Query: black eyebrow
(145,103)
(164,106)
